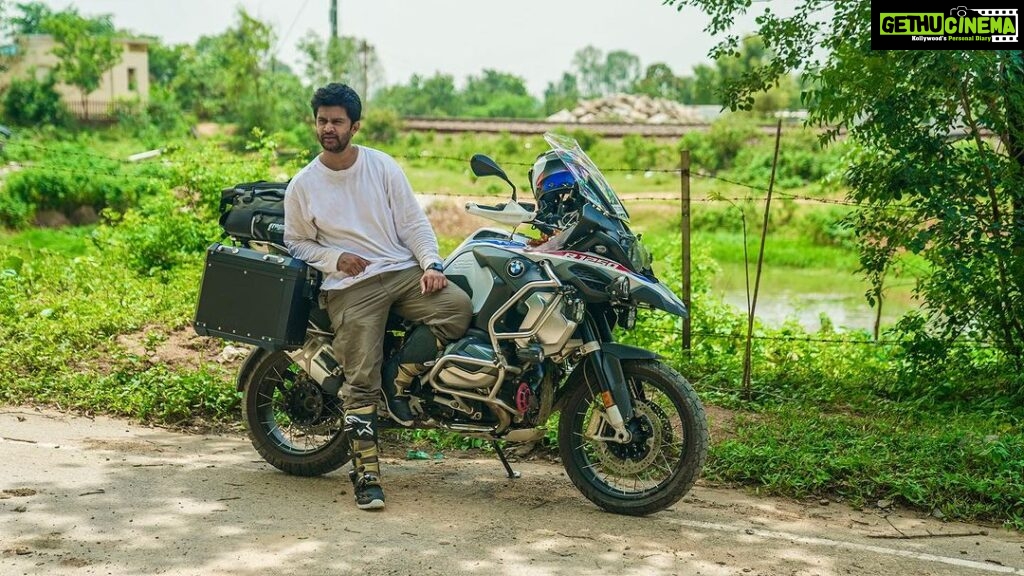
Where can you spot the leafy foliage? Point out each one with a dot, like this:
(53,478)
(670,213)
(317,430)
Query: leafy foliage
(493,94)
(346,59)
(958,203)
(563,94)
(931,463)
(29,19)
(496,94)
(85,47)
(65,180)
(31,102)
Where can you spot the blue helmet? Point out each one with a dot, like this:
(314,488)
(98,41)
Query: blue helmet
(554,186)
(549,174)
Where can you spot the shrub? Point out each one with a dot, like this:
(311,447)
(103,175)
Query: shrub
(718,148)
(157,236)
(381,125)
(65,182)
(828,227)
(31,102)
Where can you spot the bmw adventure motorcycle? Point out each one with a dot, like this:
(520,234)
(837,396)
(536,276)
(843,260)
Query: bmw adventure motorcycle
(632,433)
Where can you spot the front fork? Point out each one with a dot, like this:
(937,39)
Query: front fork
(604,361)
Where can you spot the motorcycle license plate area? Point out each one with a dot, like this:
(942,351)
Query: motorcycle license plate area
(253,297)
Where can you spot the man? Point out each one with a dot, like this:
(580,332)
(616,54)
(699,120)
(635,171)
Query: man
(351,214)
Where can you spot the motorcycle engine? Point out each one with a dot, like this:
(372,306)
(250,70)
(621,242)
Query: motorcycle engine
(476,371)
(555,330)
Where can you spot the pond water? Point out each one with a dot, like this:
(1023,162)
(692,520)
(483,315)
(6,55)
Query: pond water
(806,294)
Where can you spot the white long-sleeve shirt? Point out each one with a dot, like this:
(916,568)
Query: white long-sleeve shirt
(368,210)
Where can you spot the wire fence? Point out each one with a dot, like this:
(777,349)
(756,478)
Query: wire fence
(123,164)
(667,197)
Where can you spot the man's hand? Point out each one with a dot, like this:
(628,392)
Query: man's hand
(351,264)
(432,281)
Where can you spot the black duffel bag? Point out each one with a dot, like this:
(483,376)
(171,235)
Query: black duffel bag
(254,212)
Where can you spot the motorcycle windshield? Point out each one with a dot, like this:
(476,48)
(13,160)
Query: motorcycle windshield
(592,184)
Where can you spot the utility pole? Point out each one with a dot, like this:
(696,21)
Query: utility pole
(334,44)
(334,18)
(364,52)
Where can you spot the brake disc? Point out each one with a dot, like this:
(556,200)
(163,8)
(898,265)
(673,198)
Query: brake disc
(635,457)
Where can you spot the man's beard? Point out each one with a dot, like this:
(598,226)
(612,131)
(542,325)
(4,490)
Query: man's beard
(336,145)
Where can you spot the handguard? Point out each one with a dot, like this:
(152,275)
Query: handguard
(509,213)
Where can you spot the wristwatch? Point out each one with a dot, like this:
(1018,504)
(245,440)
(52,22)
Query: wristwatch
(436,266)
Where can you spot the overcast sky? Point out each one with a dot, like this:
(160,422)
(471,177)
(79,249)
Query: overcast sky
(534,39)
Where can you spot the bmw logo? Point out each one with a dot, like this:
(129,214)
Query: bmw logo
(515,268)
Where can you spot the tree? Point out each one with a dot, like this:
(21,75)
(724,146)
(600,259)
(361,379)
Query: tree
(351,60)
(705,85)
(751,55)
(621,71)
(660,82)
(31,102)
(5,57)
(588,63)
(601,75)
(233,77)
(165,62)
(434,96)
(85,48)
(941,138)
(30,19)
(246,54)
(561,95)
(499,95)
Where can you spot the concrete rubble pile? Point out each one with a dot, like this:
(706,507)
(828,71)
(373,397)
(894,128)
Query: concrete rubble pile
(628,109)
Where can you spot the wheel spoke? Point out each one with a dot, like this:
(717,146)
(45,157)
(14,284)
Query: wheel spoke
(292,412)
(655,455)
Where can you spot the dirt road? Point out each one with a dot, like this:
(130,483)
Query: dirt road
(102,496)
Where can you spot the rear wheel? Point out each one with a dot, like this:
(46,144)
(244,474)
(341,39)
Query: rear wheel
(291,422)
(669,441)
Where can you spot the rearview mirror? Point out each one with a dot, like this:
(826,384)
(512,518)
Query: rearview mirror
(484,166)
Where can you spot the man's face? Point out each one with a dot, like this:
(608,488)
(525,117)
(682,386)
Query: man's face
(334,130)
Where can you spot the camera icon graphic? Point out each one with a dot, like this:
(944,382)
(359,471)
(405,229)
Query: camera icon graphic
(959,11)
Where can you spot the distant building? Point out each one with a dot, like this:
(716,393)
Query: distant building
(127,80)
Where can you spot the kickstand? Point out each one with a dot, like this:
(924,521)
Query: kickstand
(504,461)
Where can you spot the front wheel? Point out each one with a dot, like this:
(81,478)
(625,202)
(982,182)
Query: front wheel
(291,422)
(664,456)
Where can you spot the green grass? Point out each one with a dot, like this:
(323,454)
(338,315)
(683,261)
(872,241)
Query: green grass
(71,241)
(968,466)
(785,250)
(60,315)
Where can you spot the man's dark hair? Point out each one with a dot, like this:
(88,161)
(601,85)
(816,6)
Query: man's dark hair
(336,94)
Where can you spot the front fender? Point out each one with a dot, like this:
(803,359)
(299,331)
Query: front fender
(606,363)
(624,352)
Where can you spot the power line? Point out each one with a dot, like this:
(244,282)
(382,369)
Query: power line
(281,42)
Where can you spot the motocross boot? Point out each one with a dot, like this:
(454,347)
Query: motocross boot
(361,426)
(402,368)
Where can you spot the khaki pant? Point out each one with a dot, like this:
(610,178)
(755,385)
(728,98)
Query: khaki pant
(358,316)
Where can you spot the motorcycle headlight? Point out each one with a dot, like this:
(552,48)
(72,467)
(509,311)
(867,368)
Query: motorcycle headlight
(640,257)
(618,290)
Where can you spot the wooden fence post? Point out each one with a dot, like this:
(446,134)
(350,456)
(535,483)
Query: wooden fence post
(684,216)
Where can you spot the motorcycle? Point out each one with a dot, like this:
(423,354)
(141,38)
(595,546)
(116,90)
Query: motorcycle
(632,433)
